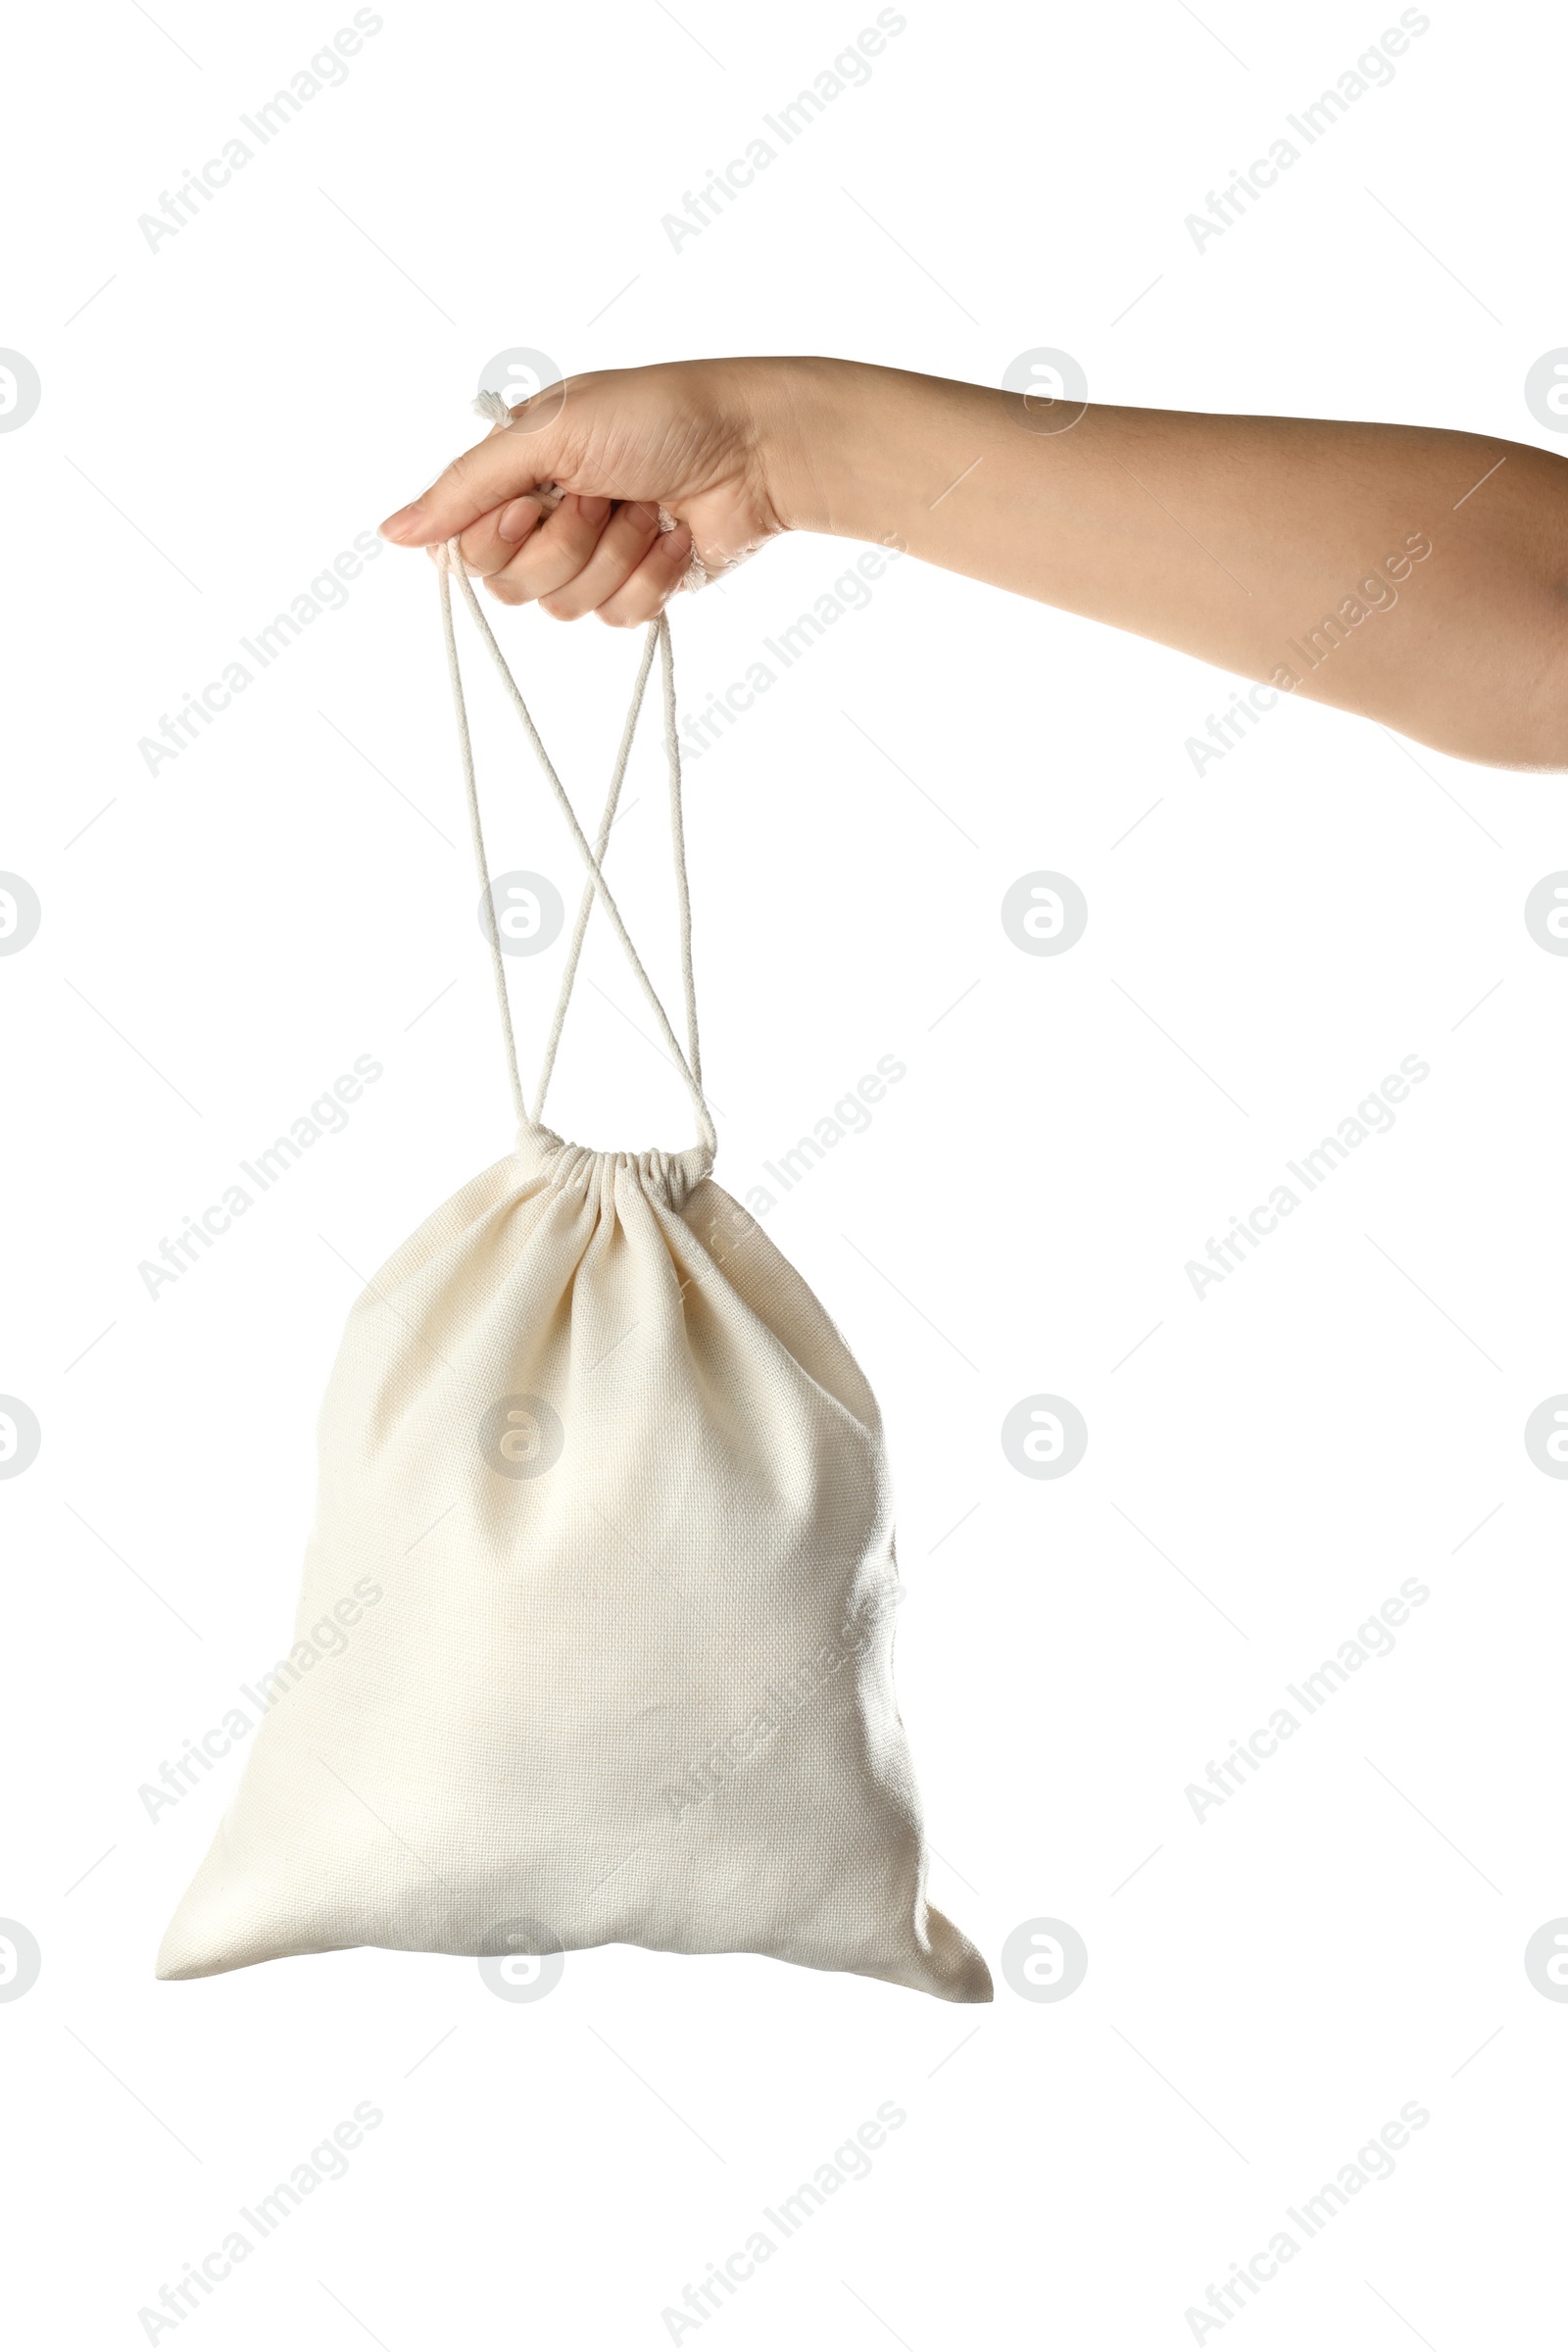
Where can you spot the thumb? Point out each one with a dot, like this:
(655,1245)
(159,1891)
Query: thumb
(529,447)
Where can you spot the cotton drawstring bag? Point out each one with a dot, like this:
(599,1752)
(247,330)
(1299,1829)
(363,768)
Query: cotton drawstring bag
(604,1524)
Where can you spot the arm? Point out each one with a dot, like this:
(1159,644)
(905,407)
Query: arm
(1418,577)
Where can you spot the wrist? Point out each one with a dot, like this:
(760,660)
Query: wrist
(861,452)
(810,416)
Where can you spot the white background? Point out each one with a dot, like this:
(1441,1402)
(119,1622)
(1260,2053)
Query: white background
(1345,1934)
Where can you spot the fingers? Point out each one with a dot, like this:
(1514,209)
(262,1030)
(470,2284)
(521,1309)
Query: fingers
(514,522)
(586,557)
(650,587)
(627,538)
(553,553)
(541,442)
(486,549)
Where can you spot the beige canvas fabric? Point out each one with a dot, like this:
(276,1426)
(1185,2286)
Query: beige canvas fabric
(605,1530)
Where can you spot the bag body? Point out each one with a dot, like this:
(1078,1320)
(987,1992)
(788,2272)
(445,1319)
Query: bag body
(603,1576)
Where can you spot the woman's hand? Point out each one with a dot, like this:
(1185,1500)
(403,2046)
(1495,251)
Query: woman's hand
(1291,551)
(691,437)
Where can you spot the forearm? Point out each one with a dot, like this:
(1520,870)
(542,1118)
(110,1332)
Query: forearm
(1414,576)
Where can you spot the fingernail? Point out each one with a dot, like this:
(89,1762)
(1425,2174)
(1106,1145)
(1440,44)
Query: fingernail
(594,510)
(517,520)
(402,524)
